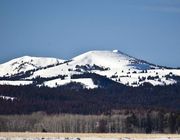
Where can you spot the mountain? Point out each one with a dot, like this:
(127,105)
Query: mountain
(26,63)
(92,69)
(96,82)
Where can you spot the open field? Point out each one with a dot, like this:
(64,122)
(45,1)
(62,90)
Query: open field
(86,136)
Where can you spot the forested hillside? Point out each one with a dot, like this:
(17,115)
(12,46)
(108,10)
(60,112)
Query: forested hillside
(73,98)
(72,108)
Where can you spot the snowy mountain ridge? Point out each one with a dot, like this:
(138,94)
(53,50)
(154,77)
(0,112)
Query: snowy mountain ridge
(26,63)
(112,65)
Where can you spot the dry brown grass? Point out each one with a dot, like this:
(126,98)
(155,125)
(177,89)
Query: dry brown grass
(81,135)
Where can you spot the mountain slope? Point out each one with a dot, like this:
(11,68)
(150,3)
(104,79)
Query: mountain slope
(111,59)
(113,65)
(26,63)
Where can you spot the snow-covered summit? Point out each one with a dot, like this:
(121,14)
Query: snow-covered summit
(26,63)
(105,63)
(111,59)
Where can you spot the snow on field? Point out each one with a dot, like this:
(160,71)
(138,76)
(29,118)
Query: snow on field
(87,82)
(87,138)
(21,138)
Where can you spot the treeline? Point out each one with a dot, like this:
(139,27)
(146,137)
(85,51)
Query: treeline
(122,122)
(73,99)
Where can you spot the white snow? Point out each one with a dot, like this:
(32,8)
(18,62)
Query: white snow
(26,63)
(103,58)
(87,82)
(86,138)
(7,97)
(115,62)
(15,83)
(117,66)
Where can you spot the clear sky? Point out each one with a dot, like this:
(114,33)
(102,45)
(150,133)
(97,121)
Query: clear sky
(146,29)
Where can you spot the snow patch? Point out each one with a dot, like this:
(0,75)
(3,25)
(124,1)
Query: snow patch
(15,83)
(7,97)
(87,82)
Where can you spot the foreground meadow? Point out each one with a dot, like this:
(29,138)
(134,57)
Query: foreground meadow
(85,136)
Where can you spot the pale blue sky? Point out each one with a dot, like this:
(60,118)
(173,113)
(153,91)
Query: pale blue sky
(146,29)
